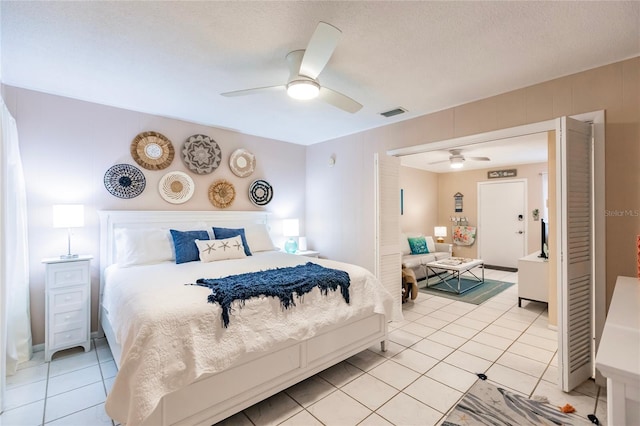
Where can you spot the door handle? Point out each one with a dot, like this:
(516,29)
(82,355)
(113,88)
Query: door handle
(519,232)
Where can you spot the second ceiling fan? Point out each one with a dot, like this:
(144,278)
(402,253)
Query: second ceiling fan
(457,159)
(304,68)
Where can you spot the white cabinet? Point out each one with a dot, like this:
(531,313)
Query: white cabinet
(308,253)
(533,278)
(67,304)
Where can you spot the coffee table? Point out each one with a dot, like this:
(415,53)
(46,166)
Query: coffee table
(449,270)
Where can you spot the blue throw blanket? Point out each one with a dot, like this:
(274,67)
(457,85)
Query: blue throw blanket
(282,283)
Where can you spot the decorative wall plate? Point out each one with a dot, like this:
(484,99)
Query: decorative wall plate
(152,150)
(260,192)
(242,162)
(201,154)
(222,194)
(124,181)
(176,187)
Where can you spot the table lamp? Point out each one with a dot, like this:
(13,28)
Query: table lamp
(440,232)
(68,216)
(291,228)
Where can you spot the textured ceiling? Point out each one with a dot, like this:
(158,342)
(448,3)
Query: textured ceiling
(175,58)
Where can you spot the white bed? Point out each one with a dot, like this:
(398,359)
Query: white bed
(178,365)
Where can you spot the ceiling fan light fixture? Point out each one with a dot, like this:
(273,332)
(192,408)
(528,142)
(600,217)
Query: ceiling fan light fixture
(303,89)
(457,163)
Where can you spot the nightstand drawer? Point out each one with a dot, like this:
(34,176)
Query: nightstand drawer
(68,300)
(66,320)
(69,337)
(66,274)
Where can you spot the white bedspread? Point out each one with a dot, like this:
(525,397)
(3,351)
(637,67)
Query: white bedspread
(171,336)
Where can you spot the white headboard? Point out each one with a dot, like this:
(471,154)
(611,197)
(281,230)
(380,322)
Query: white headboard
(110,220)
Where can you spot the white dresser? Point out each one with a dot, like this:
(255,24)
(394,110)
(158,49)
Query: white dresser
(533,278)
(618,357)
(67,304)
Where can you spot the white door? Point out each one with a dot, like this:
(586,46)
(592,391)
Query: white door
(576,247)
(387,205)
(502,222)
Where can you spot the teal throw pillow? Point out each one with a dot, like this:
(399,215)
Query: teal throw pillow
(418,245)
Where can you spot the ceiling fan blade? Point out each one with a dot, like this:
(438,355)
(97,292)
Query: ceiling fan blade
(339,100)
(253,91)
(439,162)
(319,50)
(479,158)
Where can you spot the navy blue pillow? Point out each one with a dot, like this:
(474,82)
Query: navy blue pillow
(222,233)
(185,245)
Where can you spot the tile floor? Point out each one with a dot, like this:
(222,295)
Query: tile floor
(430,363)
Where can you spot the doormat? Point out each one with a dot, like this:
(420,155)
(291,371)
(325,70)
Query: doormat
(486,404)
(477,295)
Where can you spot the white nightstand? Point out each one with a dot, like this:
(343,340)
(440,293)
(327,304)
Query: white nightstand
(308,253)
(67,304)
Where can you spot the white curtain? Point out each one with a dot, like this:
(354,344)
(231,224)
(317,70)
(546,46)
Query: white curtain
(15,275)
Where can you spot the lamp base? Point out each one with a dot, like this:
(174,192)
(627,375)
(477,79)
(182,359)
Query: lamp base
(439,240)
(68,256)
(291,246)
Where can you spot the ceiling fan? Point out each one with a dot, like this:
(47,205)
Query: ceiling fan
(304,68)
(457,159)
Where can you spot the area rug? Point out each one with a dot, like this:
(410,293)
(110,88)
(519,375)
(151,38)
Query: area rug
(476,295)
(486,404)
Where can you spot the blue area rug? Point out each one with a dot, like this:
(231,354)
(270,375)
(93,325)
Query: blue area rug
(476,295)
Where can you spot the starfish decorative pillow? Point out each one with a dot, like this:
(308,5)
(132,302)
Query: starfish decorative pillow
(228,248)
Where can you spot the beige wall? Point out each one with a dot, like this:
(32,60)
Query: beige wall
(420,200)
(466,182)
(67,145)
(614,88)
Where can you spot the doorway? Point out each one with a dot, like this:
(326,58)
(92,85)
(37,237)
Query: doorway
(502,223)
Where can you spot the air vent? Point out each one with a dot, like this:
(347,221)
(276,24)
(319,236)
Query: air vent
(393,112)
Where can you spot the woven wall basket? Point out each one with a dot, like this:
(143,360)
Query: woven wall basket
(152,150)
(222,194)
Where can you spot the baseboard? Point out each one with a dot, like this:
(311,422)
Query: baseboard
(500,268)
(40,346)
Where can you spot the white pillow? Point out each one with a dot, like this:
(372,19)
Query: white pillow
(142,246)
(258,238)
(404,244)
(228,248)
(431,245)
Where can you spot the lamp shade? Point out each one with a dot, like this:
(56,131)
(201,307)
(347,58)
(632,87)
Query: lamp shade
(290,227)
(68,215)
(440,231)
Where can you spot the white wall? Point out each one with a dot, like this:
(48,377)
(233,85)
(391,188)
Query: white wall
(67,145)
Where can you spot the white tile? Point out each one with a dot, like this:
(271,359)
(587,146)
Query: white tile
(108,384)
(403,338)
(72,362)
(310,390)
(434,394)
(447,339)
(394,374)
(544,332)
(73,401)
(410,315)
(36,359)
(522,364)
(405,410)
(238,419)
(471,323)
(418,307)
(588,387)
(512,378)
(510,316)
(339,409)
(457,309)
(109,369)
(513,325)
(375,420)
(539,342)
(432,322)
(460,330)
(551,374)
(468,362)
(444,316)
(418,329)
(273,410)
(554,360)
(392,349)
(303,418)
(25,394)
(73,380)
(497,330)
(104,353)
(415,360)
(28,375)
(492,340)
(451,376)
(433,349)
(340,374)
(478,315)
(94,416)
(437,302)
(536,354)
(26,415)
(481,350)
(369,391)
(366,360)
(601,412)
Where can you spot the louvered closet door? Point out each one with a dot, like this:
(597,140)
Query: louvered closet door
(575,215)
(388,258)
